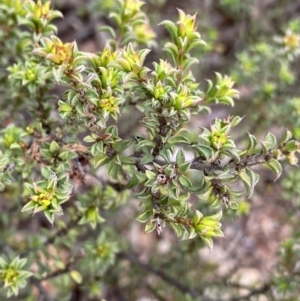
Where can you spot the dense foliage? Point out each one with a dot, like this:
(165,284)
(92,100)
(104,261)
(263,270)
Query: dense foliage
(78,153)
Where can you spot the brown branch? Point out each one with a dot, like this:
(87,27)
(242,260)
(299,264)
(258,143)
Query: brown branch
(133,258)
(38,282)
(67,268)
(155,293)
(43,292)
(208,168)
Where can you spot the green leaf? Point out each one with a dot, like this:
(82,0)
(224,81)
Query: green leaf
(185,233)
(122,145)
(226,175)
(192,233)
(177,228)
(171,27)
(219,233)
(208,241)
(76,276)
(140,176)
(197,217)
(89,139)
(252,142)
(197,188)
(145,143)
(233,153)
(292,146)
(229,144)
(132,182)
(236,120)
(15,145)
(112,169)
(264,148)
(180,158)
(275,166)
(182,168)
(217,216)
(97,149)
(100,159)
(184,181)
(209,86)
(52,182)
(227,100)
(249,185)
(189,62)
(46,172)
(147,159)
(165,152)
(270,141)
(173,192)
(254,177)
(57,74)
(67,155)
(184,211)
(113,130)
(54,147)
(172,50)
(126,160)
(162,189)
(234,206)
(204,150)
(3,262)
(205,195)
(286,137)
(108,29)
(29,207)
(143,217)
(46,153)
(150,226)
(178,140)
(55,204)
(49,216)
(150,174)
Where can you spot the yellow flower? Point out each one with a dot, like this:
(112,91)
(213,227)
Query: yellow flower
(56,51)
(143,33)
(291,40)
(186,24)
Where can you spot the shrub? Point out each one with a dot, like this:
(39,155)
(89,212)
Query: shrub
(69,154)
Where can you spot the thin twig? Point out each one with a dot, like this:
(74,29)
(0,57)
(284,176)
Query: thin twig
(209,168)
(67,268)
(154,292)
(38,282)
(165,277)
